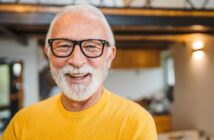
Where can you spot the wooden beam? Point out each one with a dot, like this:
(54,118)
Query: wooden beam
(32,8)
(35,19)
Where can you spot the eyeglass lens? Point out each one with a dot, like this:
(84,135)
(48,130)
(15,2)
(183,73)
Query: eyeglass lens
(90,48)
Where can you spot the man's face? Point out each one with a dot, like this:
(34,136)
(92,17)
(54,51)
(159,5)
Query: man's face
(78,76)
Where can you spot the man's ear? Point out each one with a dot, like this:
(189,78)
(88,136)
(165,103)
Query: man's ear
(112,56)
(46,51)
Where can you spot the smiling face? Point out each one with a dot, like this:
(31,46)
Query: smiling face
(78,76)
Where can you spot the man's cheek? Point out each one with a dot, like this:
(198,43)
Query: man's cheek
(58,62)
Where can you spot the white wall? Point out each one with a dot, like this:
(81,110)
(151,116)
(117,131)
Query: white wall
(135,84)
(11,49)
(194,88)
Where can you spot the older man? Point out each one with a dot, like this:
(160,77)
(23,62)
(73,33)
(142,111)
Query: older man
(80,46)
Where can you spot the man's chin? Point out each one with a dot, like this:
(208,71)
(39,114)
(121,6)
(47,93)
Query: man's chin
(78,96)
(79,100)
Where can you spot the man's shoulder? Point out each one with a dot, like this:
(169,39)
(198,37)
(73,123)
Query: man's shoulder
(39,108)
(127,105)
(134,114)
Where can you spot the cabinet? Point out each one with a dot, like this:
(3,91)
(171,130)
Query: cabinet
(163,123)
(129,58)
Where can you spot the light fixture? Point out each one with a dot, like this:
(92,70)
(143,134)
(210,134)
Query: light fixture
(17,69)
(197,45)
(199,54)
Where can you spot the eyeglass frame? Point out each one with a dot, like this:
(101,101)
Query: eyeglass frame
(79,43)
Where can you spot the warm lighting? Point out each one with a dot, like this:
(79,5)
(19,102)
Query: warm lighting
(198,27)
(17,69)
(197,45)
(199,54)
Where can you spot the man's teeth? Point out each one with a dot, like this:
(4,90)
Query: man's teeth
(78,74)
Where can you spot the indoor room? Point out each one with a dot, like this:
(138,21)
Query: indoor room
(164,60)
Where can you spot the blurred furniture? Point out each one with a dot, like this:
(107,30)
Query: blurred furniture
(163,123)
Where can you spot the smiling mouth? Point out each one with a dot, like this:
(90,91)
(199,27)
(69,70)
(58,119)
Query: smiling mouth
(77,76)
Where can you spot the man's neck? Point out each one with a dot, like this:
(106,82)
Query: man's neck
(75,106)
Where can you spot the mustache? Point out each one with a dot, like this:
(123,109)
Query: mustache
(70,69)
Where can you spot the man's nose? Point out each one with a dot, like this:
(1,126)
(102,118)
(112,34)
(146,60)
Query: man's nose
(77,58)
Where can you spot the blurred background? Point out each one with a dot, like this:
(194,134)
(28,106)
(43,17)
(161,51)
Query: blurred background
(164,62)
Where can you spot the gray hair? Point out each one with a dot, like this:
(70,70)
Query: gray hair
(83,9)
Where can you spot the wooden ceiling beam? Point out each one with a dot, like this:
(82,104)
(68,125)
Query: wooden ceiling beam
(33,8)
(131,24)
(43,14)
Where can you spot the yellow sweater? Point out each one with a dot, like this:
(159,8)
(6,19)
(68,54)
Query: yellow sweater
(111,118)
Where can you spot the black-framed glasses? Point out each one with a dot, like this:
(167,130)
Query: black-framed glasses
(91,48)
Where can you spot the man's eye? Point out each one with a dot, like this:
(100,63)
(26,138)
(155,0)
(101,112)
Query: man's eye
(90,47)
(62,47)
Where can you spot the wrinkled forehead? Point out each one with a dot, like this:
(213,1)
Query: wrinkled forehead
(79,25)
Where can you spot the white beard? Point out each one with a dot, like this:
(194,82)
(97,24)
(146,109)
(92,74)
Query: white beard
(79,92)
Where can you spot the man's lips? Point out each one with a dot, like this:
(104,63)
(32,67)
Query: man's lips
(77,77)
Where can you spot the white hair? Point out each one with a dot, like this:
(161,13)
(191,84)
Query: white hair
(85,9)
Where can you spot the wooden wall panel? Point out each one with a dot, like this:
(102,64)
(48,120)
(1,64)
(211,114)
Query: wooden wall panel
(136,59)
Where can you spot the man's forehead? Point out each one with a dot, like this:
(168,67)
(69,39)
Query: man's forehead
(70,19)
(79,16)
(78,25)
